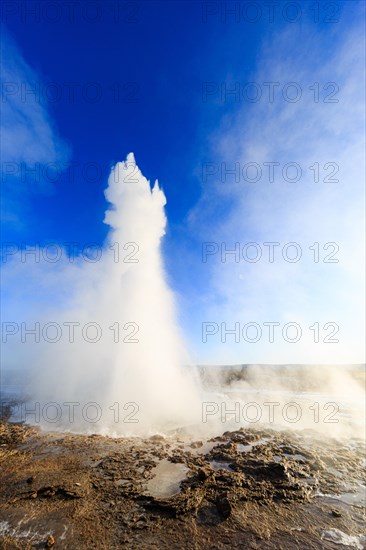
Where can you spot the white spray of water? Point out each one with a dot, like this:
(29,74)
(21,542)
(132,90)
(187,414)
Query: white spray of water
(131,378)
(139,383)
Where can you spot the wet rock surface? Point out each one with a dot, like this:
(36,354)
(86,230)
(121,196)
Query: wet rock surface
(244,489)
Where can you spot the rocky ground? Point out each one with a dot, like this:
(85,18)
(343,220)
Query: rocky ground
(244,489)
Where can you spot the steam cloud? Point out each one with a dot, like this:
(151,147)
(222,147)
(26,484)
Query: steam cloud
(134,377)
(144,371)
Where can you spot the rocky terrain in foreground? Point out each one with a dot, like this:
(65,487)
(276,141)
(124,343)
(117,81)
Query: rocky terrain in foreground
(244,489)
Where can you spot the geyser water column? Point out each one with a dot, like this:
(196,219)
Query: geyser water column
(136,372)
(149,361)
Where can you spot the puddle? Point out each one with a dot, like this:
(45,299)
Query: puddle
(166,480)
(355,498)
(203,450)
(244,448)
(296,457)
(335,472)
(216,465)
(339,537)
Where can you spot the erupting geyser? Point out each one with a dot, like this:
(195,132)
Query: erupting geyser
(133,377)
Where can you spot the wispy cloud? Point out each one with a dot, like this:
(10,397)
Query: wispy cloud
(308,131)
(28,134)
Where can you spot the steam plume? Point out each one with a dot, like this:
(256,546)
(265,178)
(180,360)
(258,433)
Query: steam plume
(142,374)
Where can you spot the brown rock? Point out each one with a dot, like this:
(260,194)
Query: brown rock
(50,541)
(223,506)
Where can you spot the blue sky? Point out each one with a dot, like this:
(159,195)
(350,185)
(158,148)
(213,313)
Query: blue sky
(160,55)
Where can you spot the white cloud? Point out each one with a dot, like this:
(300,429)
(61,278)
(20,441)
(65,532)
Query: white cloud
(28,134)
(305,212)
